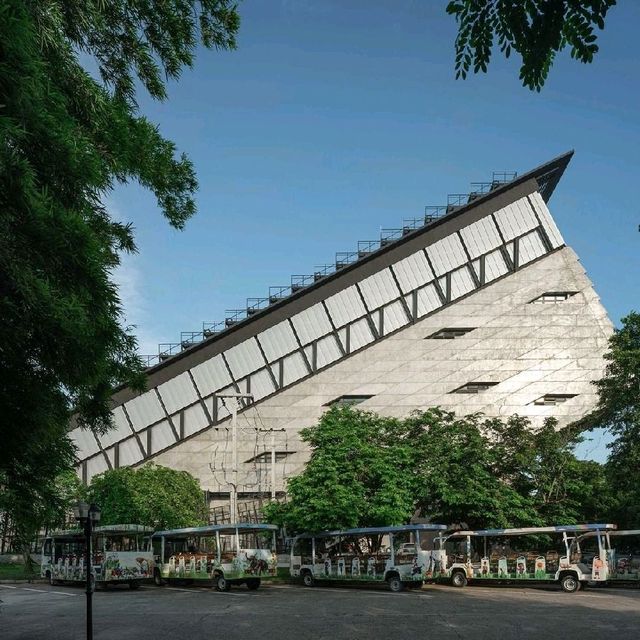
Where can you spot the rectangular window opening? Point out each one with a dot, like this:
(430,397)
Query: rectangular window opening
(265,457)
(450,333)
(552,399)
(474,387)
(553,296)
(347,401)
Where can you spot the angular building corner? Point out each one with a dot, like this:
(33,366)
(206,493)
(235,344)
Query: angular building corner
(483,309)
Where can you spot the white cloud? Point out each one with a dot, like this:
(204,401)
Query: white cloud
(136,310)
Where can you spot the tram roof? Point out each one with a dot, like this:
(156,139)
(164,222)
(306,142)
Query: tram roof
(67,534)
(363,531)
(623,532)
(534,530)
(123,528)
(219,528)
(107,529)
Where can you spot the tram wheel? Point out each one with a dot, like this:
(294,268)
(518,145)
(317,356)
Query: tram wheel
(157,578)
(395,584)
(458,579)
(253,584)
(307,579)
(222,584)
(134,584)
(569,583)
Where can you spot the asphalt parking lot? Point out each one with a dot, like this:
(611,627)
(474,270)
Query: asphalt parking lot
(40,611)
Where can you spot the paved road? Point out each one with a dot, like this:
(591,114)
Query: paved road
(290,612)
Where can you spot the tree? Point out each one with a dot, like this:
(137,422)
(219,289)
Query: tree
(536,29)
(66,140)
(618,409)
(369,470)
(356,475)
(457,475)
(38,490)
(152,495)
(540,464)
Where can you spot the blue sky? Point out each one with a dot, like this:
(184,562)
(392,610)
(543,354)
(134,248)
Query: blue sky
(333,119)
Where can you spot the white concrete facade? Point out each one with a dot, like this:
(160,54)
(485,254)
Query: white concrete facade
(364,331)
(530,349)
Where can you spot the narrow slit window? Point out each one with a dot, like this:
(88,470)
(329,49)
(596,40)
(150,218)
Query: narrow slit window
(450,333)
(265,457)
(347,401)
(552,399)
(553,296)
(474,387)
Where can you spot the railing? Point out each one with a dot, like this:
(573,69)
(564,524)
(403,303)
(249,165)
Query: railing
(300,282)
(150,360)
(234,316)
(278,293)
(345,258)
(212,328)
(342,259)
(189,338)
(168,349)
(323,270)
(366,247)
(256,304)
(387,236)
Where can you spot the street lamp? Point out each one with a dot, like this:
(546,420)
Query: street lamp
(88,515)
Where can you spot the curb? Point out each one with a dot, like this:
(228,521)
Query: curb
(24,581)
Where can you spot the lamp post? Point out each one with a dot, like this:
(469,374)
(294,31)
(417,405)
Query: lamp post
(88,515)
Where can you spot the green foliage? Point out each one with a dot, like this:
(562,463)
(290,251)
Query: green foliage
(30,496)
(619,410)
(368,470)
(536,29)
(462,475)
(152,495)
(355,476)
(66,140)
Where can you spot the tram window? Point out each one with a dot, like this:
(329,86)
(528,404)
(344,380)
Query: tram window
(47,548)
(456,549)
(403,543)
(67,549)
(207,544)
(303,548)
(121,543)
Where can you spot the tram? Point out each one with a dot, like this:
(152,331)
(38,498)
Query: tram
(400,556)
(121,554)
(222,555)
(525,556)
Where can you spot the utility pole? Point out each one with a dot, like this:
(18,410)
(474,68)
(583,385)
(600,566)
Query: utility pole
(273,458)
(273,464)
(233,494)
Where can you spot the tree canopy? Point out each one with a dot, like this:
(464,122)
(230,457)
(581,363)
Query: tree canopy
(618,410)
(369,470)
(152,495)
(535,29)
(67,139)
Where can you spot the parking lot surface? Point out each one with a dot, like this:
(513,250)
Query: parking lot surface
(287,612)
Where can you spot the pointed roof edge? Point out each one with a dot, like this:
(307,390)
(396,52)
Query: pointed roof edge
(548,175)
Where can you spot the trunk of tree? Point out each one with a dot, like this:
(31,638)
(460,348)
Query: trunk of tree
(26,555)
(24,544)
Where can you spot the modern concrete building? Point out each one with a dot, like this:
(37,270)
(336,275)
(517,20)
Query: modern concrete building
(480,306)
